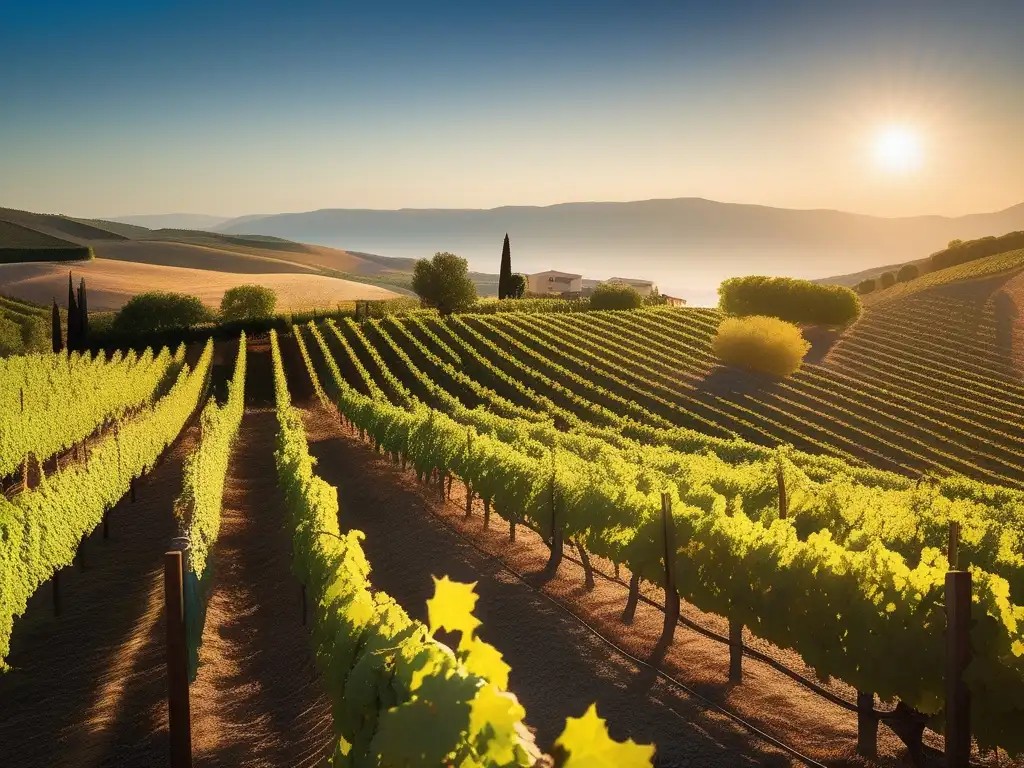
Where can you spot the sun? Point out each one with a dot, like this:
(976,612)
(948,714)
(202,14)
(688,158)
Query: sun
(898,149)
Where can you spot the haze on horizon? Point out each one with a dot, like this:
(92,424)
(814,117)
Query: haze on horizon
(232,108)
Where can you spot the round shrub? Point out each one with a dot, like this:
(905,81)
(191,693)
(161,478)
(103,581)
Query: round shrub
(443,283)
(247,302)
(866,286)
(760,343)
(888,279)
(159,311)
(611,296)
(907,272)
(797,301)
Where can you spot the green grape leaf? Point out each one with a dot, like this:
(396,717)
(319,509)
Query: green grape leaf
(451,607)
(495,716)
(485,660)
(587,741)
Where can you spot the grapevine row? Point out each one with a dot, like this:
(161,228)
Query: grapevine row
(41,529)
(85,391)
(198,506)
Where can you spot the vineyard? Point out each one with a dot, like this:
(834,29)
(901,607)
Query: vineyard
(816,521)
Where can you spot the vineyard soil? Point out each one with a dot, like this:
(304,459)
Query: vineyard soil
(257,700)
(88,688)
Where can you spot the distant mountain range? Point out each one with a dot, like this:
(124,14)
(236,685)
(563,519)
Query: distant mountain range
(175,220)
(687,245)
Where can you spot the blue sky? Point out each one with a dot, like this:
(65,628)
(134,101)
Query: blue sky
(114,108)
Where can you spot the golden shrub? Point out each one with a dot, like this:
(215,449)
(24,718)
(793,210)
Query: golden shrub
(760,343)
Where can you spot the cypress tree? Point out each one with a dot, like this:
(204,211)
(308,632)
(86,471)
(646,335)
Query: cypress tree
(83,311)
(505,289)
(55,332)
(73,317)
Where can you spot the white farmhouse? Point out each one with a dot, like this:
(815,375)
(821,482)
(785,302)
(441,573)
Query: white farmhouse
(554,282)
(643,287)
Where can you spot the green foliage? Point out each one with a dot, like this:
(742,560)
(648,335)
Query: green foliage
(796,301)
(87,392)
(22,331)
(25,307)
(526,305)
(505,287)
(866,286)
(961,252)
(161,310)
(41,529)
(518,284)
(954,242)
(612,296)
(907,272)
(248,302)
(443,283)
(759,343)
(887,279)
(11,342)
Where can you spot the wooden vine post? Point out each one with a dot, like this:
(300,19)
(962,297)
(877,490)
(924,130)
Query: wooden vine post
(177,662)
(958,656)
(671,594)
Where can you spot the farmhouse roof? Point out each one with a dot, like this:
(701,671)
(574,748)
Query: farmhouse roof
(556,273)
(630,281)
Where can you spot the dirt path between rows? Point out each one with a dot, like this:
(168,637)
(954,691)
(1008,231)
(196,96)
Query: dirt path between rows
(558,666)
(88,687)
(257,700)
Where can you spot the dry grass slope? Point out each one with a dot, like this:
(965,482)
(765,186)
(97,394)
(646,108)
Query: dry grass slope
(111,283)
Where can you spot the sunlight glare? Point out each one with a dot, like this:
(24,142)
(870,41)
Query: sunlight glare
(898,149)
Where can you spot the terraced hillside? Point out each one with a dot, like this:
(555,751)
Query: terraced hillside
(926,382)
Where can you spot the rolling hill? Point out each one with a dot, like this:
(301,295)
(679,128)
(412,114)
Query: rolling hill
(130,258)
(111,283)
(687,245)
